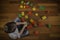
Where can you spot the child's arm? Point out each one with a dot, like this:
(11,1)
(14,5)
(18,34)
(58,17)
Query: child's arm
(25,25)
(23,29)
(18,23)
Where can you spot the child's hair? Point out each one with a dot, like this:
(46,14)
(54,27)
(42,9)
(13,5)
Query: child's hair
(9,26)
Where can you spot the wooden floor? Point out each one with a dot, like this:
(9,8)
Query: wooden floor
(44,34)
(8,12)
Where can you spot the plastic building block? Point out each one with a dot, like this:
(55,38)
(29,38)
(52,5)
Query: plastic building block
(44,17)
(22,2)
(33,8)
(26,16)
(19,15)
(42,8)
(36,14)
(21,6)
(22,13)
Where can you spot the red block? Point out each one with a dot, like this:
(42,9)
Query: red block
(40,24)
(36,33)
(22,19)
(27,6)
(29,26)
(30,13)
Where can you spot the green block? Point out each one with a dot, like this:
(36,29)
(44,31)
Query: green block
(19,15)
(42,7)
(48,25)
(22,2)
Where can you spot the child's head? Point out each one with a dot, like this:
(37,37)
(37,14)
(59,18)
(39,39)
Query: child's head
(10,27)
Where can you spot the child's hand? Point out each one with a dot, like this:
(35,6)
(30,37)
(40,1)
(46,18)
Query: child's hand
(18,23)
(25,24)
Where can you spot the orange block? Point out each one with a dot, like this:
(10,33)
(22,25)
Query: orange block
(33,22)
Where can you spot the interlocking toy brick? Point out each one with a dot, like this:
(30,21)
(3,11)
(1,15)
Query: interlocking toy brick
(22,13)
(43,17)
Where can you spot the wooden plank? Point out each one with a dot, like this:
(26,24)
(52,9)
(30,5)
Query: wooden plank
(9,8)
(48,4)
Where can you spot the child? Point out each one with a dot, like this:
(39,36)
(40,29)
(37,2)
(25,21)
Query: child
(16,29)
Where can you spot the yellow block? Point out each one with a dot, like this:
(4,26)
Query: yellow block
(36,14)
(22,13)
(33,8)
(21,6)
(24,6)
(44,17)
(31,20)
(26,16)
